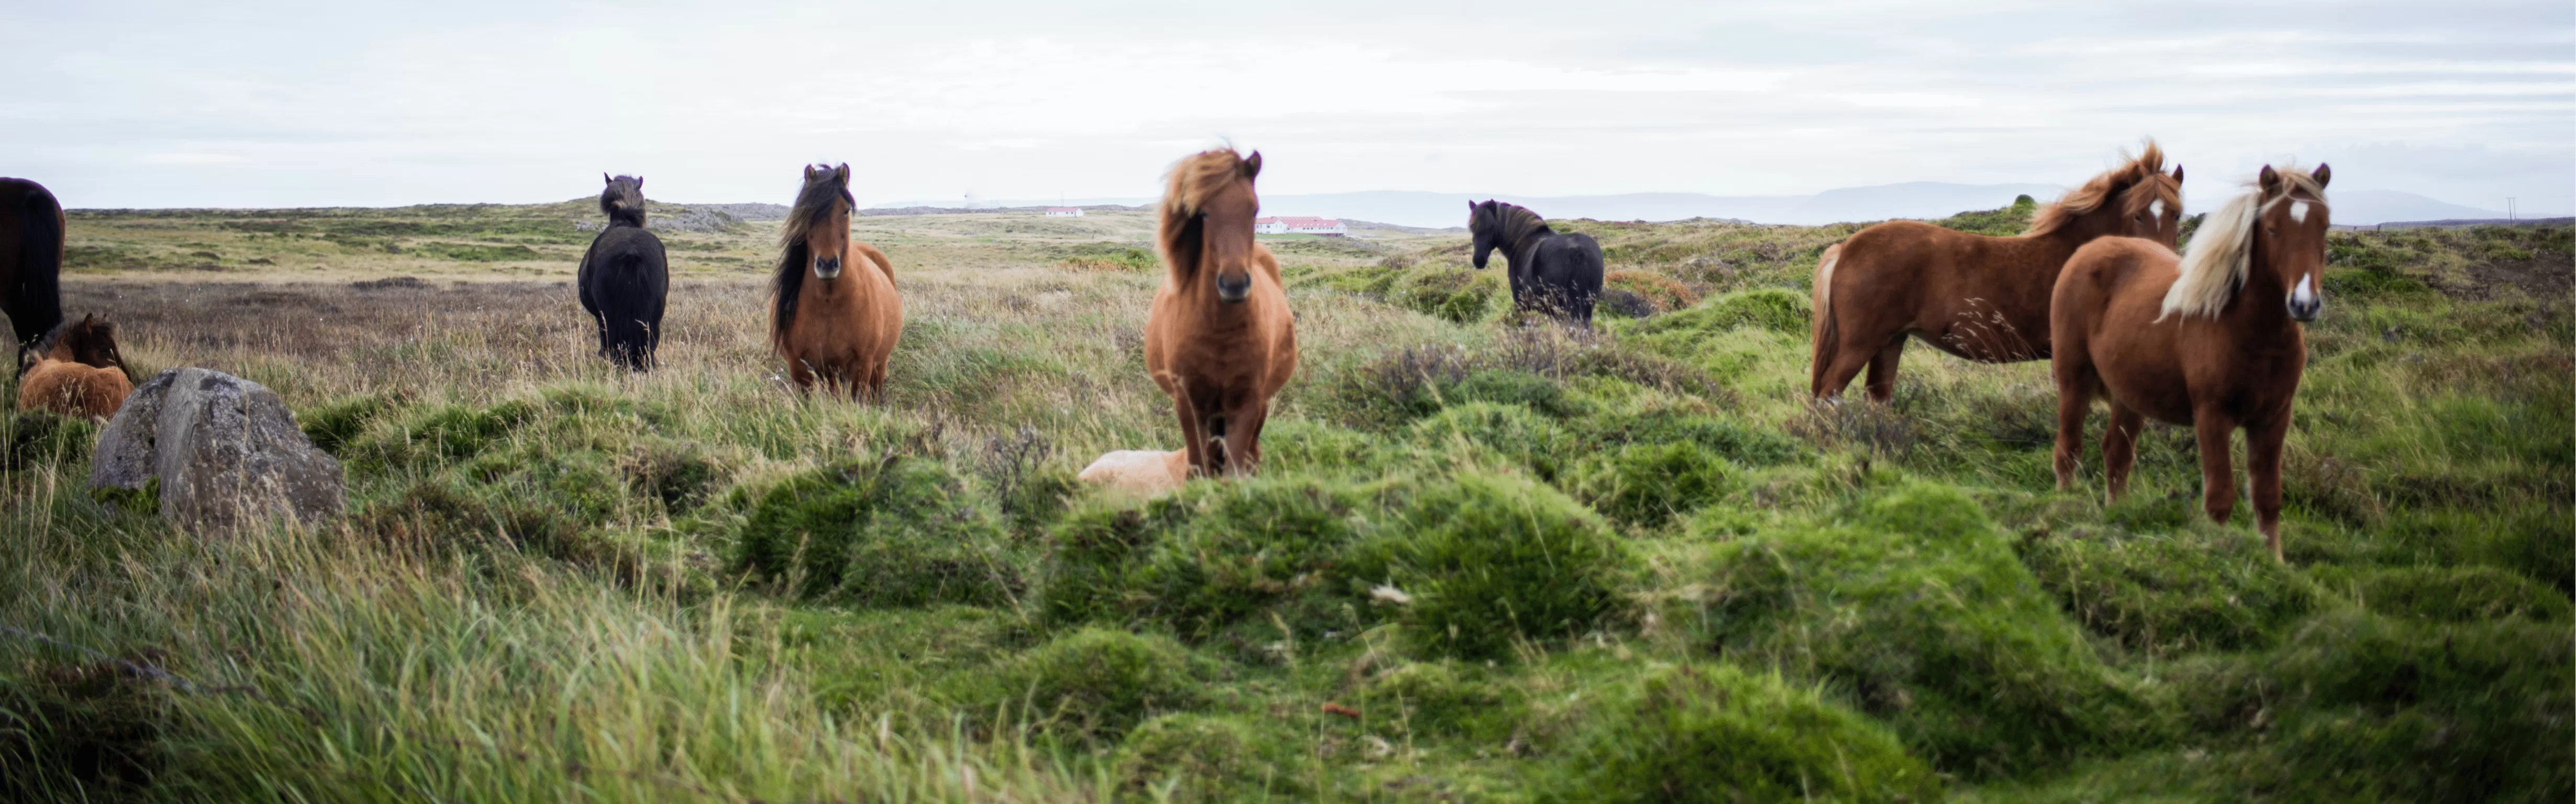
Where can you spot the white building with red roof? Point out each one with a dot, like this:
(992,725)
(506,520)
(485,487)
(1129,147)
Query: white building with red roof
(1064,212)
(1328,227)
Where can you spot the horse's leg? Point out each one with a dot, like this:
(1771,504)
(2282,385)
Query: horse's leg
(2120,448)
(801,374)
(2074,401)
(1882,370)
(1243,434)
(2217,472)
(1192,441)
(2263,464)
(1839,369)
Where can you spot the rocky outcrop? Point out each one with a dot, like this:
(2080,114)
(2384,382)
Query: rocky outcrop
(225,450)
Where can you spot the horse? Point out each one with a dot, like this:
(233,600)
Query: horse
(74,370)
(2212,338)
(1219,338)
(31,259)
(834,313)
(1975,296)
(1557,274)
(624,279)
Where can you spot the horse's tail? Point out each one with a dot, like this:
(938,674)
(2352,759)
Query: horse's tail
(36,304)
(1827,338)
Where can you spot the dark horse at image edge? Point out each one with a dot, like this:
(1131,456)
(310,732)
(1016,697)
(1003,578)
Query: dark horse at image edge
(31,259)
(624,279)
(1557,274)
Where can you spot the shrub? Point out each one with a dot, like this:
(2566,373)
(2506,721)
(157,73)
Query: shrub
(1647,484)
(331,427)
(28,438)
(1771,309)
(1094,682)
(1201,757)
(1927,617)
(1433,697)
(1719,734)
(426,436)
(2170,594)
(1721,437)
(1456,295)
(1657,289)
(897,532)
(1488,558)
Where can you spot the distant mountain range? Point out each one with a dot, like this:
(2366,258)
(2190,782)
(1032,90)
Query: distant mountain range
(1921,199)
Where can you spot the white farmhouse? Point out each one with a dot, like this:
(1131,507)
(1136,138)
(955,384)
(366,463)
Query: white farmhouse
(1064,212)
(1327,227)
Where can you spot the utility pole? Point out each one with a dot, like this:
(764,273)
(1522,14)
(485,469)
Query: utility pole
(2509,210)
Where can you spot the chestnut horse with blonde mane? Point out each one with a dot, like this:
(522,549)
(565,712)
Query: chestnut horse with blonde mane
(834,313)
(74,370)
(1220,339)
(2211,339)
(1979,297)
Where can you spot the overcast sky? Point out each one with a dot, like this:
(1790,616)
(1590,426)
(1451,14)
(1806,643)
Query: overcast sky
(250,104)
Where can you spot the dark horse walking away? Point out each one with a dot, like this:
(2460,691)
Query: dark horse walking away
(624,279)
(2211,339)
(31,259)
(1979,297)
(1220,339)
(834,314)
(1557,274)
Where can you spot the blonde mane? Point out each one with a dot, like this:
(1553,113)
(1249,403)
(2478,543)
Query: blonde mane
(1187,188)
(2221,253)
(2147,169)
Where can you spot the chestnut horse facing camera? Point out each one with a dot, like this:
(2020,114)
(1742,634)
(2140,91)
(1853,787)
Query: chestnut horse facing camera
(1220,340)
(31,259)
(2211,339)
(834,314)
(74,370)
(1979,297)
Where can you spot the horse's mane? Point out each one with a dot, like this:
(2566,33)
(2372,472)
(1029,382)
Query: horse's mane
(623,201)
(813,206)
(1514,222)
(2147,168)
(1187,188)
(2221,253)
(88,340)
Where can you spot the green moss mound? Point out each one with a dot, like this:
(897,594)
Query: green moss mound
(2457,594)
(1924,614)
(1771,309)
(32,438)
(2167,594)
(1649,484)
(1214,556)
(1441,697)
(897,532)
(1198,758)
(1511,434)
(1093,682)
(1719,734)
(1487,559)
(333,426)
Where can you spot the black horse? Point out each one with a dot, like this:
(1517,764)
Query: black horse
(1556,274)
(31,259)
(624,278)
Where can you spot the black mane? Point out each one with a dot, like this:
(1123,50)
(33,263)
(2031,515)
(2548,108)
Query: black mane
(623,201)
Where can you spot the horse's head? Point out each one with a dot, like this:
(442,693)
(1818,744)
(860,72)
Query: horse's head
(623,200)
(2290,236)
(2152,208)
(2136,199)
(1207,221)
(818,226)
(91,341)
(1485,224)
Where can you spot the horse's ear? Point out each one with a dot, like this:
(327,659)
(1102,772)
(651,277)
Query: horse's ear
(2323,175)
(603,177)
(2177,173)
(809,172)
(1252,166)
(2268,180)
(842,173)
(639,183)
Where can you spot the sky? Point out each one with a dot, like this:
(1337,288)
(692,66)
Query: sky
(263,104)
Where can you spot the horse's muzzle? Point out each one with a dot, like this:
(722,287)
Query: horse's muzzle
(2304,302)
(1234,291)
(827,267)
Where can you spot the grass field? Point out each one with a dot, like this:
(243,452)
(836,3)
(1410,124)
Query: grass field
(1482,563)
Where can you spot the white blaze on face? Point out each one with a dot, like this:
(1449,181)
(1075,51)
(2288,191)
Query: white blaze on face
(2299,211)
(2306,293)
(2156,208)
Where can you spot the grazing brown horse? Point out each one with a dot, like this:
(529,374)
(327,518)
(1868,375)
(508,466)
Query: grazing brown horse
(834,314)
(2211,339)
(31,259)
(74,370)
(1220,339)
(1979,297)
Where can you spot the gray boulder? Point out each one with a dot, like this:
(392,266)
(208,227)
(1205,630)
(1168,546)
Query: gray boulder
(226,450)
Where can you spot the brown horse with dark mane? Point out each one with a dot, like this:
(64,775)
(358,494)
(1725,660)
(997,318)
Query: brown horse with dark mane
(2211,339)
(74,370)
(31,259)
(834,314)
(1979,297)
(1220,339)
